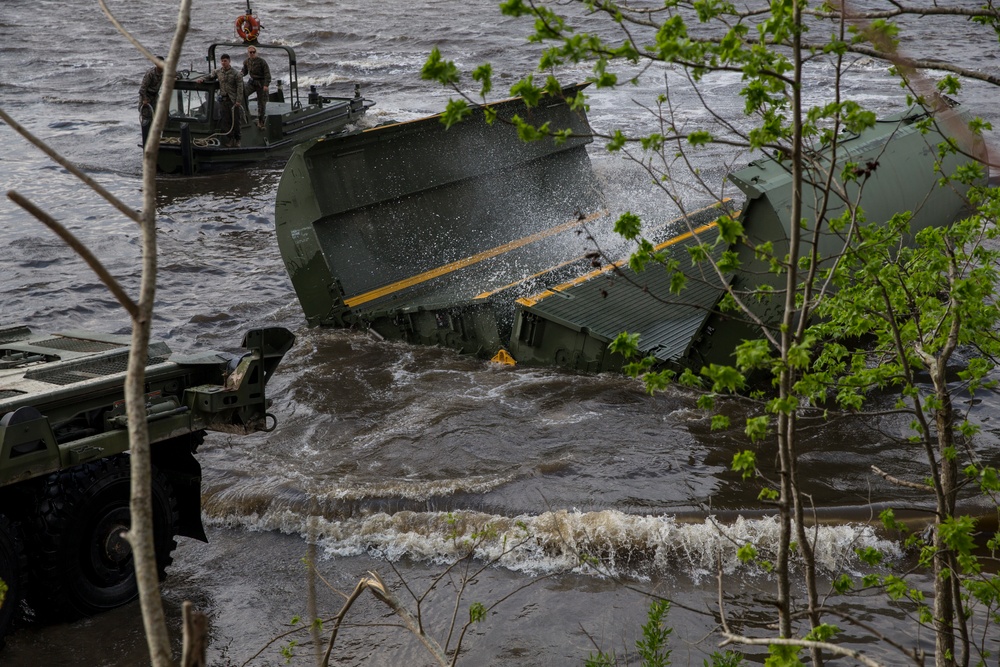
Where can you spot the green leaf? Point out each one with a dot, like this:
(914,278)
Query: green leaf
(477,612)
(628,225)
(756,428)
(724,378)
(745,462)
(823,632)
(455,112)
(783,656)
(720,422)
(484,75)
(843,584)
(869,556)
(436,69)
(730,229)
(699,138)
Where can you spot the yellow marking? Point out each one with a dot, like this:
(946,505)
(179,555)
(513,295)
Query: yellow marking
(532,300)
(484,295)
(468,261)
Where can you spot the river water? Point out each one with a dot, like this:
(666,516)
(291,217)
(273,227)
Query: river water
(385,451)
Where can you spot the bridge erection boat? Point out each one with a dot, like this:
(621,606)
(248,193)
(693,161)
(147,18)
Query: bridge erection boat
(194,138)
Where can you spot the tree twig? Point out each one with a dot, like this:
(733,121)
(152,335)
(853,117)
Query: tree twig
(135,42)
(900,482)
(380,591)
(339,618)
(80,249)
(836,649)
(131,213)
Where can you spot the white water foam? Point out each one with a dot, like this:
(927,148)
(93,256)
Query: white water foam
(604,543)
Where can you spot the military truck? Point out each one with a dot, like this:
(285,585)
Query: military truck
(64,457)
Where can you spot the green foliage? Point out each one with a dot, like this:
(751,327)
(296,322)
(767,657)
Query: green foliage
(652,647)
(484,75)
(727,659)
(869,556)
(823,632)
(455,112)
(526,89)
(724,378)
(477,612)
(783,656)
(437,69)
(288,651)
(756,428)
(747,553)
(700,138)
(768,495)
(745,463)
(628,226)
(454,532)
(958,534)
(627,345)
(888,518)
(720,422)
(843,584)
(601,659)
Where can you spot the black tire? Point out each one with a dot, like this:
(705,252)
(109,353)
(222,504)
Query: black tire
(81,564)
(12,567)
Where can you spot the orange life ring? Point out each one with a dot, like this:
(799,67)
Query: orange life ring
(247,27)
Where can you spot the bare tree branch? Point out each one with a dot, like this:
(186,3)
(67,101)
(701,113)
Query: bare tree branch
(140,534)
(836,649)
(380,591)
(131,213)
(900,482)
(339,618)
(135,42)
(79,248)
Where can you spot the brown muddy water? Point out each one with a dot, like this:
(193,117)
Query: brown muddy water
(382,448)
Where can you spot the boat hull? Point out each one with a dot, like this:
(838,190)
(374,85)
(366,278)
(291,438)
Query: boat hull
(200,147)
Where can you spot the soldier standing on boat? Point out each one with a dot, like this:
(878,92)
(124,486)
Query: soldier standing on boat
(149,91)
(260,79)
(231,91)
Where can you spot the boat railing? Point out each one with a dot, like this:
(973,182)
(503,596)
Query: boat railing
(266,50)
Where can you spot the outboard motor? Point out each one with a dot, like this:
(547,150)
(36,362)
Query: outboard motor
(313,95)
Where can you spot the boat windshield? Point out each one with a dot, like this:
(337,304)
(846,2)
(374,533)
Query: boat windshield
(189,103)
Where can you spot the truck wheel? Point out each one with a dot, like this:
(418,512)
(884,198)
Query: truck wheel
(11,573)
(83,564)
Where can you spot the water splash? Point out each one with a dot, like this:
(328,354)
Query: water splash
(604,543)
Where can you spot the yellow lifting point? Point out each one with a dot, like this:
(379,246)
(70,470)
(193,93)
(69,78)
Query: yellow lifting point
(503,357)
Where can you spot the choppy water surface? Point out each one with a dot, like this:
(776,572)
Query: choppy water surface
(384,450)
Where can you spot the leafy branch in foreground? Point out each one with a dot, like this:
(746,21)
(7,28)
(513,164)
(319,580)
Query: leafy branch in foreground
(851,303)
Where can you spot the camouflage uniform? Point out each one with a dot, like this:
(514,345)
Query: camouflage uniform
(260,78)
(149,90)
(231,90)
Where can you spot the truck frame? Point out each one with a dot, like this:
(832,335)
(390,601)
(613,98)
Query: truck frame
(64,457)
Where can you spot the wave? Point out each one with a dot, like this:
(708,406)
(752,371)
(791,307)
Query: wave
(604,543)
